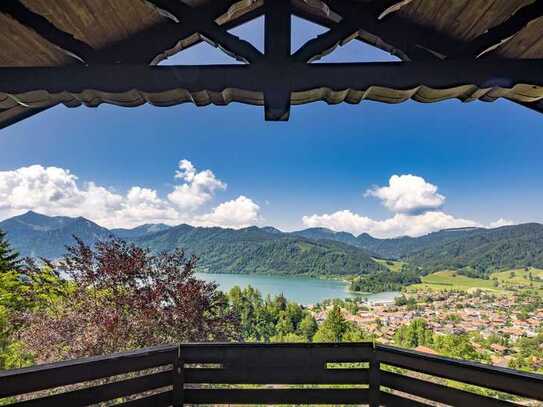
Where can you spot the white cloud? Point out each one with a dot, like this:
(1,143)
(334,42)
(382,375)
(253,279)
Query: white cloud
(399,225)
(198,189)
(501,222)
(238,213)
(408,194)
(417,211)
(56,191)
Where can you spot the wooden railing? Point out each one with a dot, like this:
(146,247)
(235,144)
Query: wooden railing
(311,374)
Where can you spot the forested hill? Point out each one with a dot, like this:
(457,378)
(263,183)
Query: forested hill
(255,250)
(395,248)
(35,235)
(315,251)
(486,251)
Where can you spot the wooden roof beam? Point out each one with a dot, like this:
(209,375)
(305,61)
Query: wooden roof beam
(64,41)
(501,33)
(197,20)
(344,31)
(395,31)
(117,79)
(392,6)
(327,42)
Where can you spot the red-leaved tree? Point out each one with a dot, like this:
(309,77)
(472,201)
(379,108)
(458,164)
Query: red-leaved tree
(124,297)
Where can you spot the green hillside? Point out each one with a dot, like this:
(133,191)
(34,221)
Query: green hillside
(255,250)
(486,251)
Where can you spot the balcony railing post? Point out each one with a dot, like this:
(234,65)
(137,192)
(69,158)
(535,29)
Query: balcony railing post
(374,380)
(178,380)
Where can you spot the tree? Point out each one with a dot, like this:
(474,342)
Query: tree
(333,328)
(9,259)
(308,327)
(124,297)
(414,334)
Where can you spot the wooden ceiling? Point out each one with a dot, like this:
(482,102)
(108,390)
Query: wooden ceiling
(84,34)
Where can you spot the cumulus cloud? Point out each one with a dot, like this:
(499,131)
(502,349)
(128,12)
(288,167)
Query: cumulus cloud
(238,213)
(501,222)
(198,189)
(408,194)
(417,208)
(56,191)
(399,225)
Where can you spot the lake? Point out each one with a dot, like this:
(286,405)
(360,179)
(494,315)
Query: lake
(303,290)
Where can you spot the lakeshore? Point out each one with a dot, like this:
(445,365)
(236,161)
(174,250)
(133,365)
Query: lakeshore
(303,290)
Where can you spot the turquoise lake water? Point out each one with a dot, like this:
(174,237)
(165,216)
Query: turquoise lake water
(302,290)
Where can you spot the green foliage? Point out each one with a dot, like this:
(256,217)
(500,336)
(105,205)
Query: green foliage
(385,281)
(29,289)
(457,346)
(9,259)
(270,319)
(308,327)
(336,329)
(414,334)
(530,354)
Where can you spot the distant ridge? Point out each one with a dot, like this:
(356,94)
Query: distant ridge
(317,251)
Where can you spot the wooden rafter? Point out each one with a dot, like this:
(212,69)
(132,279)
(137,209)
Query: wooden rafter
(327,42)
(394,30)
(419,40)
(64,41)
(347,29)
(195,20)
(502,33)
(392,6)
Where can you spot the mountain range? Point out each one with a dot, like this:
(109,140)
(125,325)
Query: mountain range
(314,251)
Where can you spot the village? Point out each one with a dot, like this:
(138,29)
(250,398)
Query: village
(494,323)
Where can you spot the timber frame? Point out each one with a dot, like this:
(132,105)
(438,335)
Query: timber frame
(434,65)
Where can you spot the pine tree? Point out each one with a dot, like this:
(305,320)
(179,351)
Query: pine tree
(9,259)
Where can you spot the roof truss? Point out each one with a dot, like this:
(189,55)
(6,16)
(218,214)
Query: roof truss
(435,66)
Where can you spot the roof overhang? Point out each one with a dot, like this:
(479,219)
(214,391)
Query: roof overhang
(437,62)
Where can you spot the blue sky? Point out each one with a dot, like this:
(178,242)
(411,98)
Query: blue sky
(483,158)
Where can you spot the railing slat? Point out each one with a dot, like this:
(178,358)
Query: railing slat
(393,400)
(158,400)
(27,380)
(437,392)
(105,392)
(495,378)
(277,396)
(276,355)
(276,376)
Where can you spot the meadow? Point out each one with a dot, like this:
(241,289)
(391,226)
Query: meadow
(502,282)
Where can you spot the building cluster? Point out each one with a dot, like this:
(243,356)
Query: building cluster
(446,313)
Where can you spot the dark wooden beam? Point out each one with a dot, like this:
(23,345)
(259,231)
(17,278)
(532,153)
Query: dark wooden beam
(64,41)
(198,20)
(391,6)
(501,33)
(9,117)
(394,31)
(327,42)
(277,71)
(116,79)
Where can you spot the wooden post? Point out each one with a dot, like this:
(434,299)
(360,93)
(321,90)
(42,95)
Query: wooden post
(375,380)
(178,380)
(277,56)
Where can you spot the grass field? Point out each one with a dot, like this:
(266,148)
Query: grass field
(392,265)
(451,280)
(520,279)
(500,283)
